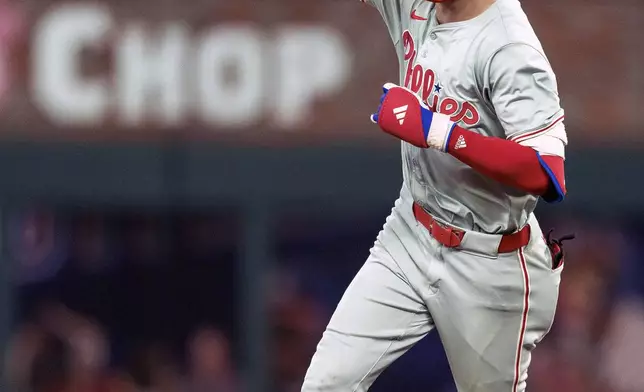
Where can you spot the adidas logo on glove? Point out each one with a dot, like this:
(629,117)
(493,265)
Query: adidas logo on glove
(400,113)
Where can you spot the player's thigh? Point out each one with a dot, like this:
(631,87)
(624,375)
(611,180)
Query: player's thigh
(378,319)
(491,313)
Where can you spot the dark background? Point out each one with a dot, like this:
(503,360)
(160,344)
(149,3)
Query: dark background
(207,256)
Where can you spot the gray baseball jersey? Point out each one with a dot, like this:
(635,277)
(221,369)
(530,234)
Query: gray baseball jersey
(492,76)
(490,308)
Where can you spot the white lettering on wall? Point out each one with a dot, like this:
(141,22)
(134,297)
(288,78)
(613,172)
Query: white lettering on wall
(149,75)
(228,76)
(229,67)
(59,88)
(314,63)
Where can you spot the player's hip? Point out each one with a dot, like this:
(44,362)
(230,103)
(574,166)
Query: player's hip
(490,275)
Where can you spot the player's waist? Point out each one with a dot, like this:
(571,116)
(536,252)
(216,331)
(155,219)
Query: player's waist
(454,237)
(458,196)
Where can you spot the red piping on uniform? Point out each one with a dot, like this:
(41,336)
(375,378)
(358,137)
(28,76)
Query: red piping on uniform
(524,137)
(524,320)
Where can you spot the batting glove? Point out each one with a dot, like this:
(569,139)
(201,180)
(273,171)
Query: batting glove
(402,114)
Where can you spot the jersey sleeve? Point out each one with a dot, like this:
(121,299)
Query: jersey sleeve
(522,88)
(392,12)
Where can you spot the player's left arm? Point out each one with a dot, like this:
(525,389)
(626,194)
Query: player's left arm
(522,88)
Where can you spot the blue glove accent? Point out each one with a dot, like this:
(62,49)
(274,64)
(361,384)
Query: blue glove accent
(374,117)
(385,90)
(559,195)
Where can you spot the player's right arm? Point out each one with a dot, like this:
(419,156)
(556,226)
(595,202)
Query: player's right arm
(522,89)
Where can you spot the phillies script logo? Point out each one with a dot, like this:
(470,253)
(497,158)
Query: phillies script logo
(421,81)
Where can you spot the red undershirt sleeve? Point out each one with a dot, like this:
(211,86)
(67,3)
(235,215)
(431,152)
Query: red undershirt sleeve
(510,163)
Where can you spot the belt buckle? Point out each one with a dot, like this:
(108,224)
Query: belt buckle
(447,235)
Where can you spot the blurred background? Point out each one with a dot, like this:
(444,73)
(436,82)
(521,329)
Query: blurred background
(187,187)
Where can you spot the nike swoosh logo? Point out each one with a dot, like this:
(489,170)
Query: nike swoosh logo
(415,16)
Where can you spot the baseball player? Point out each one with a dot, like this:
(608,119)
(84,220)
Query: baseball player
(483,138)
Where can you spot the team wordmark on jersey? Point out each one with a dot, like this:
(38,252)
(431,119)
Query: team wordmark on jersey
(424,83)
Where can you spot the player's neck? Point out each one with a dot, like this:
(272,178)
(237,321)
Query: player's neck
(461,10)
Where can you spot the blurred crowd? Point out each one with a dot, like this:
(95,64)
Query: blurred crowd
(120,302)
(135,301)
(66,352)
